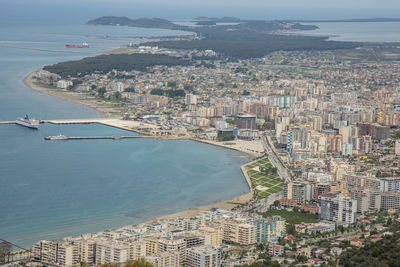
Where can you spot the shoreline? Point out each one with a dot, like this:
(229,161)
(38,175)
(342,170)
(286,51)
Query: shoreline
(72,97)
(109,119)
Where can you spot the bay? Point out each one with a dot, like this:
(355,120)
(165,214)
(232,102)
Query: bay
(50,190)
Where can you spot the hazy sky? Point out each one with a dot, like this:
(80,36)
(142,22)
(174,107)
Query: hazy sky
(184,9)
(267,3)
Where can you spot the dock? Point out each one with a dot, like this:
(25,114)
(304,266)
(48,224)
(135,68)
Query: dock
(139,127)
(101,137)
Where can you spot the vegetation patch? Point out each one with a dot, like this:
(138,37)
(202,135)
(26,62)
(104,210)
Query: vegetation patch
(264,178)
(106,63)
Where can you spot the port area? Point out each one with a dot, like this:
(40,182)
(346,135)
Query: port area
(146,130)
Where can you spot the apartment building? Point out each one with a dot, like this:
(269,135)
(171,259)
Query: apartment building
(203,256)
(239,233)
(111,251)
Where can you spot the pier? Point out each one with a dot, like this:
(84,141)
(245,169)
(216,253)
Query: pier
(99,137)
(146,129)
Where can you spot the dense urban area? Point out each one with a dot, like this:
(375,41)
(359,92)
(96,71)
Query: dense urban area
(322,125)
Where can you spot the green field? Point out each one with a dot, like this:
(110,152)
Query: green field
(293,217)
(264,184)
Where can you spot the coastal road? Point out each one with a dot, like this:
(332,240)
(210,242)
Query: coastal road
(273,158)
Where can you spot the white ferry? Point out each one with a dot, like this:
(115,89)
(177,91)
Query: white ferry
(30,123)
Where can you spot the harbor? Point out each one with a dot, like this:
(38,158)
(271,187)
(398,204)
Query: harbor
(146,130)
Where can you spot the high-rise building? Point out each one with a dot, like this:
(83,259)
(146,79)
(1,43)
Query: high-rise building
(391,185)
(347,149)
(300,192)
(389,201)
(270,229)
(374,130)
(317,123)
(246,121)
(335,207)
(190,99)
(239,233)
(203,256)
(366,144)
(111,251)
(282,101)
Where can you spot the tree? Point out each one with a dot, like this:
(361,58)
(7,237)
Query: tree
(117,95)
(291,229)
(171,84)
(260,246)
(5,250)
(109,264)
(301,258)
(188,87)
(140,263)
(129,89)
(101,91)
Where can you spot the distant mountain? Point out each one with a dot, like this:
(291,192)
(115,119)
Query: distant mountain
(140,22)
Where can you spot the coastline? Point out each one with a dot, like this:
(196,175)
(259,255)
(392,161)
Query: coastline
(73,97)
(111,119)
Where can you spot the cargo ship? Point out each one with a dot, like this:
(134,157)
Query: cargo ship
(27,122)
(83,45)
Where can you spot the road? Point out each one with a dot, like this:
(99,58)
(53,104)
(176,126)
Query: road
(273,158)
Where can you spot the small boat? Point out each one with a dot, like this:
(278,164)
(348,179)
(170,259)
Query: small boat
(56,138)
(27,122)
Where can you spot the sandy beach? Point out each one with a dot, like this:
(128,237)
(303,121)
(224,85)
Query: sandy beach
(105,109)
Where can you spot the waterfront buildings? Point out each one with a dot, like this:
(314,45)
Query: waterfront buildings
(196,241)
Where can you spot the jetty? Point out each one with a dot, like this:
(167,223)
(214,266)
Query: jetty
(100,137)
(146,130)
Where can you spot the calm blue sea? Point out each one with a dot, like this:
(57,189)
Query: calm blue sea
(52,189)
(358,32)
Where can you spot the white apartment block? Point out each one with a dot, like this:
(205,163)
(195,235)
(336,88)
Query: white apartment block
(63,84)
(111,251)
(203,256)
